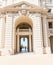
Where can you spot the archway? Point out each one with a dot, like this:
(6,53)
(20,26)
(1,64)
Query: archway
(23,35)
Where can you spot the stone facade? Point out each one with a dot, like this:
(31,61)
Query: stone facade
(33,16)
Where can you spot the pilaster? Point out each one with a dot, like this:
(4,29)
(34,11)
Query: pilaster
(30,49)
(1,23)
(46,38)
(37,34)
(9,32)
(2,31)
(18,45)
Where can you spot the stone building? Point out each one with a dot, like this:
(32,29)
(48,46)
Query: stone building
(26,20)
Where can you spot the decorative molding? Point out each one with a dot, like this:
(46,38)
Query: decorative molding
(23,12)
(22,6)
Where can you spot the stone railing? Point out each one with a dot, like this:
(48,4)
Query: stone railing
(24,30)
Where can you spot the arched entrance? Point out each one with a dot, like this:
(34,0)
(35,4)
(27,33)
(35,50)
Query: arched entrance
(23,35)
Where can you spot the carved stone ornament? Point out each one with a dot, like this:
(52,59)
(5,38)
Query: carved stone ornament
(23,12)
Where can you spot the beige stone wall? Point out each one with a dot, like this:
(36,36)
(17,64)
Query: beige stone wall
(37,34)
(8,26)
(46,35)
(9,32)
(2,32)
(1,25)
(40,31)
(9,42)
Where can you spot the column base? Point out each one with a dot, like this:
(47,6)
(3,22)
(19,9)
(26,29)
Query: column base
(48,50)
(38,50)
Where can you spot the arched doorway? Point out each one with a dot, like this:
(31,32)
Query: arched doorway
(23,37)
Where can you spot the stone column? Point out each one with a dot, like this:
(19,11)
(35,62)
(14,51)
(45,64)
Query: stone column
(30,49)
(46,38)
(18,46)
(9,32)
(37,34)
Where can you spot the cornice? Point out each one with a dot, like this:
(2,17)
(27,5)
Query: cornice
(17,7)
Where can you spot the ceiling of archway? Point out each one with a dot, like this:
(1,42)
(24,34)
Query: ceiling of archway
(23,26)
(23,19)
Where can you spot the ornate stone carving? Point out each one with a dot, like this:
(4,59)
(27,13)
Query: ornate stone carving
(23,12)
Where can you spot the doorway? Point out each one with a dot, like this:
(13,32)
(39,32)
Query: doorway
(24,44)
(24,38)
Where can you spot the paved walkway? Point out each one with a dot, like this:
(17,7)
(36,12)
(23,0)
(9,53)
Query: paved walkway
(27,59)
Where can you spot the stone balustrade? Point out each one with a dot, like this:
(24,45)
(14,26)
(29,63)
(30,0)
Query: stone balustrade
(24,31)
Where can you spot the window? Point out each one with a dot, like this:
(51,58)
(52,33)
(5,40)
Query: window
(50,24)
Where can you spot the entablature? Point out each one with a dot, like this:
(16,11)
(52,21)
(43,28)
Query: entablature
(21,6)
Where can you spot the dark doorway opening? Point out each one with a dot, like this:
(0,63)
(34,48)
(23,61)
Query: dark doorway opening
(24,44)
